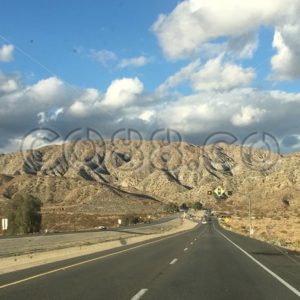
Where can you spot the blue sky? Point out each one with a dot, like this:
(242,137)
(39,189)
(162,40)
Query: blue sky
(151,64)
(60,36)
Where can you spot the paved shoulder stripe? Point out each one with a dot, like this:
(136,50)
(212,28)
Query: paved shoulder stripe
(286,284)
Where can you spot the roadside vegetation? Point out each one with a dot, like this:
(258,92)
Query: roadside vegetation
(173,208)
(129,220)
(24,214)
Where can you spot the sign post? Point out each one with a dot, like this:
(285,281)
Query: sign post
(4,224)
(119,222)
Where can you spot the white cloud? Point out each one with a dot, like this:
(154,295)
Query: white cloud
(243,46)
(208,111)
(58,112)
(47,89)
(247,116)
(125,104)
(6,53)
(146,115)
(217,75)
(193,23)
(88,101)
(103,56)
(53,115)
(286,63)
(42,119)
(181,76)
(8,84)
(139,61)
(122,92)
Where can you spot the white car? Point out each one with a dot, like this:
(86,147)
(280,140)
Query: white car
(204,221)
(102,227)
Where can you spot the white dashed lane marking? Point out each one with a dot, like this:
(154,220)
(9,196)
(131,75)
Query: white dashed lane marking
(140,294)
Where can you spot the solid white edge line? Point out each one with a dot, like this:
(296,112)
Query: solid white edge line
(174,261)
(139,294)
(286,284)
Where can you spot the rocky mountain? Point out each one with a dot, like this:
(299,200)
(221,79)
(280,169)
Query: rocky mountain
(115,178)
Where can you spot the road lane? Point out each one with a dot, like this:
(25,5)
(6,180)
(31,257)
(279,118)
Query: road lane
(210,268)
(214,269)
(114,277)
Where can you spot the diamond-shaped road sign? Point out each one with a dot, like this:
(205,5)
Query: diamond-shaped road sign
(219,191)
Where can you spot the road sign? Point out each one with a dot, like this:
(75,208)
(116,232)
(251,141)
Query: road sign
(4,224)
(219,191)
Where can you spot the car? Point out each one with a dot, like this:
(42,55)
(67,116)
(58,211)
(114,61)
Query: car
(204,221)
(101,227)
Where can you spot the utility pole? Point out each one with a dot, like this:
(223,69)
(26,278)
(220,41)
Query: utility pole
(220,191)
(250,217)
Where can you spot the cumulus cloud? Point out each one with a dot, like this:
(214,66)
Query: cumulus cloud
(218,75)
(232,26)
(146,115)
(194,22)
(200,114)
(247,116)
(179,77)
(122,92)
(125,104)
(243,46)
(86,102)
(51,115)
(6,53)
(139,61)
(47,89)
(8,84)
(286,63)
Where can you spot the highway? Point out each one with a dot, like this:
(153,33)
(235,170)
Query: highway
(139,225)
(11,246)
(207,262)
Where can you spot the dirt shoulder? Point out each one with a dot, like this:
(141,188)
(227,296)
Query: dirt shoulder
(279,231)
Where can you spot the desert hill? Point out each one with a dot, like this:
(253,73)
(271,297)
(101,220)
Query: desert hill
(122,177)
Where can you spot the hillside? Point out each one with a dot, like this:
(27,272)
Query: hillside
(133,177)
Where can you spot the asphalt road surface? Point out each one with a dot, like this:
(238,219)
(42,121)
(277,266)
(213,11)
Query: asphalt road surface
(207,262)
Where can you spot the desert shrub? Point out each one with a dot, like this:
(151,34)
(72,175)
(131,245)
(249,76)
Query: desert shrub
(197,205)
(130,219)
(184,206)
(285,201)
(171,208)
(24,214)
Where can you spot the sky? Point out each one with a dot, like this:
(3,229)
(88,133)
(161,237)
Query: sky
(198,67)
